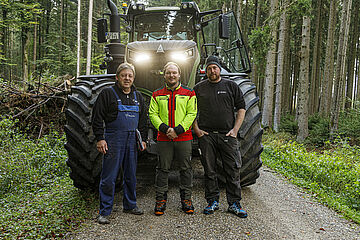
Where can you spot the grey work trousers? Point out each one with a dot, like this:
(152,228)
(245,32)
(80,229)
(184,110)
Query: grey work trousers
(181,153)
(226,148)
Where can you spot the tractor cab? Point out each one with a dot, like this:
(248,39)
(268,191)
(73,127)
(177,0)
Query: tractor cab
(162,24)
(157,35)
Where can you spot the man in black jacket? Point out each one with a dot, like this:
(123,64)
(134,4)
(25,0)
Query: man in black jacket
(122,109)
(217,129)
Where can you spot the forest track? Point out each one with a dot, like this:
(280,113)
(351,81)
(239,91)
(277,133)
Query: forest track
(277,210)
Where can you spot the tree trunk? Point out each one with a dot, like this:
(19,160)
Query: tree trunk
(255,67)
(245,29)
(11,45)
(89,39)
(61,30)
(327,82)
(351,59)
(315,73)
(337,99)
(26,57)
(270,71)
(78,39)
(25,53)
(342,95)
(280,65)
(239,14)
(357,90)
(302,107)
(296,73)
(4,47)
(286,98)
(35,47)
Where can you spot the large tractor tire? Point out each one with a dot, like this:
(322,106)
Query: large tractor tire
(83,158)
(250,133)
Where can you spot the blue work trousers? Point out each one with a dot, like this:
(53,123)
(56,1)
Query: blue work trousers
(122,153)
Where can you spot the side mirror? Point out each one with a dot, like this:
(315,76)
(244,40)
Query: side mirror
(101,30)
(128,29)
(224,27)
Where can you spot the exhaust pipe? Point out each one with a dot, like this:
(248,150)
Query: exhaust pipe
(115,51)
(114,21)
(113,8)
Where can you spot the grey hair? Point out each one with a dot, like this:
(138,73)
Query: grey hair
(171,63)
(123,66)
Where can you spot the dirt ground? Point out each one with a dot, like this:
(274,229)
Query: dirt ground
(276,210)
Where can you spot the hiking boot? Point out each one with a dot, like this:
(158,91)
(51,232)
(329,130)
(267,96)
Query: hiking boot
(160,207)
(212,207)
(135,211)
(236,209)
(103,219)
(187,206)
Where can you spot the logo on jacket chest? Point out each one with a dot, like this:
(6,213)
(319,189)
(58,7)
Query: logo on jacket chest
(129,115)
(163,98)
(221,92)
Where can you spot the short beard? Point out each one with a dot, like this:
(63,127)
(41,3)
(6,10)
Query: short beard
(211,78)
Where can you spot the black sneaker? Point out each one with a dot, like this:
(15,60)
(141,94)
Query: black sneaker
(135,211)
(160,207)
(236,209)
(187,206)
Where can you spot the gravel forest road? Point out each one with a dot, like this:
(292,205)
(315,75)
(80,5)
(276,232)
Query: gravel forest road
(276,208)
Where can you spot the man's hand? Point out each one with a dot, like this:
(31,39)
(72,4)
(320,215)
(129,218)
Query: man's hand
(102,146)
(170,133)
(199,133)
(144,146)
(232,133)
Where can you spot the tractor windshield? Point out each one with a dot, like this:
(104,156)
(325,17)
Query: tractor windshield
(169,25)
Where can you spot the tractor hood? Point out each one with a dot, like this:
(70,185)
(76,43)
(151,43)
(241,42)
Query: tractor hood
(161,46)
(150,57)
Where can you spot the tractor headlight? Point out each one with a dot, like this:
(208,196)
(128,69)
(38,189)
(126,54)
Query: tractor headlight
(178,56)
(138,57)
(138,7)
(141,57)
(182,56)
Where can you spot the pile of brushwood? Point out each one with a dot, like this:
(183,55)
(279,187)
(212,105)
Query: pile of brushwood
(38,107)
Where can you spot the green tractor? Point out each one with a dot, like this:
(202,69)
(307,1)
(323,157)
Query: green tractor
(156,35)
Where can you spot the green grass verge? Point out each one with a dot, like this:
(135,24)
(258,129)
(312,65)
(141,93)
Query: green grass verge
(37,198)
(332,176)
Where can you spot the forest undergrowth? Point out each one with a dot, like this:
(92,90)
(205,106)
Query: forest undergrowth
(330,175)
(37,198)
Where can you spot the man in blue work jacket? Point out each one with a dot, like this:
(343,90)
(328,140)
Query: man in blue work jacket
(122,108)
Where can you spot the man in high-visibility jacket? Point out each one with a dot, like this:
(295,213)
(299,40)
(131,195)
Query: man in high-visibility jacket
(172,111)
